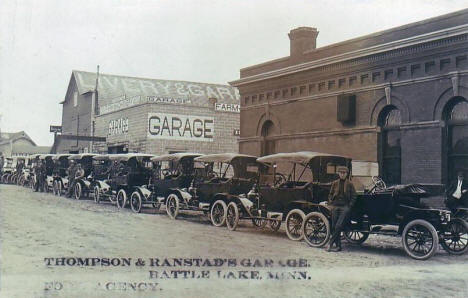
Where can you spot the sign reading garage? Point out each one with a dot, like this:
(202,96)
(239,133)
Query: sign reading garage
(180,127)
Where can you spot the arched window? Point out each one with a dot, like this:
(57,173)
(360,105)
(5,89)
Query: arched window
(268,144)
(390,145)
(456,114)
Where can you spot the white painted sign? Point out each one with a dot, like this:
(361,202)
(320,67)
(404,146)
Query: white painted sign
(124,101)
(180,127)
(118,126)
(226,107)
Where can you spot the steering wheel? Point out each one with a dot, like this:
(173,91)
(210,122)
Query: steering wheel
(212,174)
(166,172)
(279,179)
(378,183)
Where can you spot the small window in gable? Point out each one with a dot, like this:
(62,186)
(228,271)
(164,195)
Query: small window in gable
(75,99)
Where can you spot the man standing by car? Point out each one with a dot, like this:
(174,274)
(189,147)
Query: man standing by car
(71,177)
(456,193)
(341,198)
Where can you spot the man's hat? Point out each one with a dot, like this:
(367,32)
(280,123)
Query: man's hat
(342,169)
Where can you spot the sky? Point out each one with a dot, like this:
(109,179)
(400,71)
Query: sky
(209,41)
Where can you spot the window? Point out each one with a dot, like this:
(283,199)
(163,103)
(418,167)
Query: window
(75,99)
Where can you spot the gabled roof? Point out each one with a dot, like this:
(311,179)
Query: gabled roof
(6,137)
(114,88)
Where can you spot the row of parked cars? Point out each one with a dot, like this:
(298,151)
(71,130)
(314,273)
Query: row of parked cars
(289,188)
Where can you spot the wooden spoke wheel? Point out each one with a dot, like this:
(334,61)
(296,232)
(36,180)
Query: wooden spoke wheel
(420,239)
(172,205)
(455,237)
(232,216)
(218,213)
(316,229)
(294,221)
(135,202)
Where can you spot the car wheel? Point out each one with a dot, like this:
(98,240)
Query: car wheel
(218,213)
(135,202)
(172,205)
(232,216)
(97,194)
(275,225)
(259,222)
(121,199)
(455,237)
(420,239)
(316,229)
(77,191)
(294,221)
(355,237)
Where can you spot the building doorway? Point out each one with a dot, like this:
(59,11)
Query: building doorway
(390,145)
(268,143)
(456,116)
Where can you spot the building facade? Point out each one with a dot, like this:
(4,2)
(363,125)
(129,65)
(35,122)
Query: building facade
(148,115)
(397,97)
(19,144)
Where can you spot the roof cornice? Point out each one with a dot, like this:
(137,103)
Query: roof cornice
(398,44)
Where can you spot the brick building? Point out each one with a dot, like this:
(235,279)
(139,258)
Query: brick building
(397,97)
(148,115)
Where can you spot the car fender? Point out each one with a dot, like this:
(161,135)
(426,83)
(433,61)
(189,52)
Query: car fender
(431,216)
(301,205)
(146,193)
(102,185)
(185,195)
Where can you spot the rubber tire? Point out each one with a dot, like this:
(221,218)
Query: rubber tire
(122,194)
(223,221)
(175,199)
(78,191)
(288,218)
(432,230)
(444,245)
(232,226)
(135,195)
(97,194)
(325,220)
(361,240)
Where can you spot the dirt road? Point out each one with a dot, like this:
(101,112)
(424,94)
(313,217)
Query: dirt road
(56,247)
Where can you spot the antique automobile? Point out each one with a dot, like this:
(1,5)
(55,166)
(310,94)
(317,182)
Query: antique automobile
(287,196)
(60,175)
(7,169)
(225,176)
(49,169)
(132,170)
(395,211)
(103,168)
(82,185)
(23,179)
(171,175)
(32,166)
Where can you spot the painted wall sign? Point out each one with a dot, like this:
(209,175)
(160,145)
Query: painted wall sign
(127,85)
(123,101)
(118,126)
(226,107)
(236,132)
(55,128)
(180,127)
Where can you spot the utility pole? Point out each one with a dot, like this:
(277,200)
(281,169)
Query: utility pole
(94,108)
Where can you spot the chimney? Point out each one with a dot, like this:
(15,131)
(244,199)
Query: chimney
(302,39)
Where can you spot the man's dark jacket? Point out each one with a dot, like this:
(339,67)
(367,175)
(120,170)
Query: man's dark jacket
(347,198)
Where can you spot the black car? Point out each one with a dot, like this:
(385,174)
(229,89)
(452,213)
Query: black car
(396,211)
(132,170)
(83,185)
(60,174)
(285,192)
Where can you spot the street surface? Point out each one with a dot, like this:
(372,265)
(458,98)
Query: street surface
(38,229)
